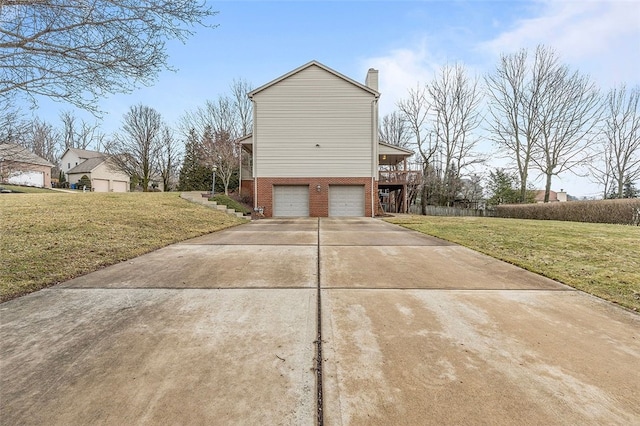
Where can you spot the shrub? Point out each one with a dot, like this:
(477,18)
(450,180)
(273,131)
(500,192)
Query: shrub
(230,203)
(84,181)
(621,211)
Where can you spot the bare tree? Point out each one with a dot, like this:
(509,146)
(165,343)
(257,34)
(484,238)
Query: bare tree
(168,158)
(513,94)
(78,51)
(620,137)
(601,168)
(415,110)
(13,126)
(218,124)
(217,115)
(455,100)
(394,130)
(243,106)
(80,133)
(43,141)
(568,111)
(542,114)
(135,151)
(217,148)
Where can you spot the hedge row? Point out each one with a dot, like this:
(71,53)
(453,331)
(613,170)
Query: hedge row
(625,211)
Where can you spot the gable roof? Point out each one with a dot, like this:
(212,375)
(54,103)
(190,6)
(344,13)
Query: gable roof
(308,65)
(19,154)
(84,153)
(539,195)
(88,165)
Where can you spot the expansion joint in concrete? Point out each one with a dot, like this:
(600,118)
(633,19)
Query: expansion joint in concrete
(319,400)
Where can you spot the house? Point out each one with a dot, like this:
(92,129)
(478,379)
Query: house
(314,150)
(554,197)
(19,166)
(97,167)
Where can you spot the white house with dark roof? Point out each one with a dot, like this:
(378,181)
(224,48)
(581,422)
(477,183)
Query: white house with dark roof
(97,167)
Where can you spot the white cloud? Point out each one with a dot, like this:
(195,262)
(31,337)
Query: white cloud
(601,38)
(400,70)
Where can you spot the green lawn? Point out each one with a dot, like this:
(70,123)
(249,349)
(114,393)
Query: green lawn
(52,237)
(600,259)
(25,189)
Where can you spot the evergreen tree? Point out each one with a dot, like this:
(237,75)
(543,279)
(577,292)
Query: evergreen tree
(193,175)
(629,189)
(503,187)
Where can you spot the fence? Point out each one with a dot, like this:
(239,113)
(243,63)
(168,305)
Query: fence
(452,211)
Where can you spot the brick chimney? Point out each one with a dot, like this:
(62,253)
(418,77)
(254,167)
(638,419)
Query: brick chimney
(372,79)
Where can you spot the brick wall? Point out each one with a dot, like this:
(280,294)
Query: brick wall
(318,200)
(246,188)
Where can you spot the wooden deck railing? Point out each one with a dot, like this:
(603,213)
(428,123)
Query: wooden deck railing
(400,177)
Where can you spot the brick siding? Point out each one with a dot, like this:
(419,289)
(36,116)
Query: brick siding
(318,200)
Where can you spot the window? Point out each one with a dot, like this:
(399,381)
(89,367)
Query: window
(68,166)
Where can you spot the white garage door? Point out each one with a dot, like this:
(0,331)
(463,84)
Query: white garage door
(346,200)
(290,201)
(100,185)
(119,186)
(27,178)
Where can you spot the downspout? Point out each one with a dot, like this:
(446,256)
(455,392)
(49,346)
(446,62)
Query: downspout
(254,148)
(239,167)
(374,148)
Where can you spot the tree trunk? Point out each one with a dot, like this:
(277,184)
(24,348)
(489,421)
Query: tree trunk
(620,187)
(523,188)
(547,188)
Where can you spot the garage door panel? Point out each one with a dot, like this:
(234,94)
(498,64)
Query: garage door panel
(100,185)
(346,200)
(290,201)
(119,186)
(29,178)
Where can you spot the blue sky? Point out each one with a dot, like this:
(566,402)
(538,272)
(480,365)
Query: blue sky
(406,41)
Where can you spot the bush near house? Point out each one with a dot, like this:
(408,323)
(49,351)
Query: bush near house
(621,211)
(84,183)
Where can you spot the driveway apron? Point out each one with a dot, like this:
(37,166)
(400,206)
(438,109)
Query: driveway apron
(227,328)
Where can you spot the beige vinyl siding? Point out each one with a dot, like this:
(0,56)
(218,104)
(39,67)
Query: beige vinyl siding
(308,108)
(104,171)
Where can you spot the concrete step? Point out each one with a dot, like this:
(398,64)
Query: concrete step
(196,197)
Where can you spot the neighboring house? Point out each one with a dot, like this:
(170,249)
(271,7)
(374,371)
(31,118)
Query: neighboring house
(314,150)
(19,166)
(104,176)
(554,197)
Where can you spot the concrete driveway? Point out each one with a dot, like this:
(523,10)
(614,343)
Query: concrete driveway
(223,329)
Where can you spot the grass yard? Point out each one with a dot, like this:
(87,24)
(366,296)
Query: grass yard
(52,237)
(25,189)
(600,259)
